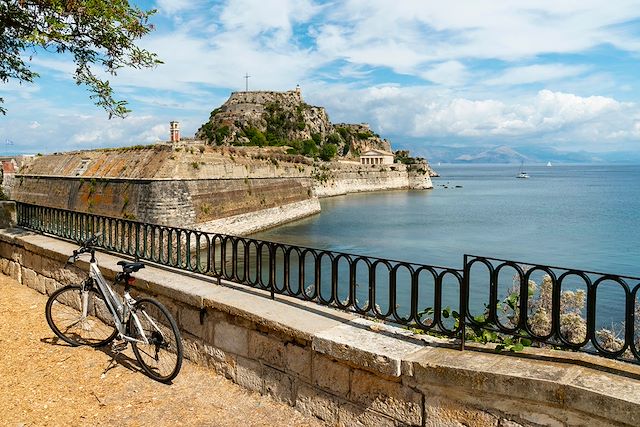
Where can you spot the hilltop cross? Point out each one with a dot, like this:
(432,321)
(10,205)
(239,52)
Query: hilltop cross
(246,85)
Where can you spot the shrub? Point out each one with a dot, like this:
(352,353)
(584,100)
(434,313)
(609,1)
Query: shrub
(309,148)
(328,152)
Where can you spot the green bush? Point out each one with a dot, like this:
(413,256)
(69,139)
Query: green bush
(334,138)
(328,152)
(256,137)
(317,138)
(344,133)
(309,148)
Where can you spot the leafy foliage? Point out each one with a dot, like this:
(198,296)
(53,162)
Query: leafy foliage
(328,152)
(256,137)
(94,32)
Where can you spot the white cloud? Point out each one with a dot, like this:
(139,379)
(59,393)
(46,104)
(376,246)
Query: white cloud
(356,57)
(498,29)
(174,6)
(449,73)
(544,117)
(536,73)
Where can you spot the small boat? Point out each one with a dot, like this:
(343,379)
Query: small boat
(522,173)
(548,164)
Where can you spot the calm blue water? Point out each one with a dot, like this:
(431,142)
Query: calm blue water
(583,217)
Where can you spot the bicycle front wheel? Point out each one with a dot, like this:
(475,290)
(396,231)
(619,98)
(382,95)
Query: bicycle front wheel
(161,358)
(65,317)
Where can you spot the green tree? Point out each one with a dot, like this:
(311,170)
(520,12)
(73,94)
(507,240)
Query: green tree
(317,138)
(309,148)
(256,137)
(328,152)
(94,32)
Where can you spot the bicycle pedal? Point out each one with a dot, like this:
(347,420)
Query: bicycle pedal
(119,346)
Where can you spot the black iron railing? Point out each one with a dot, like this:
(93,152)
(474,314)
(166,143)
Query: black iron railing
(488,299)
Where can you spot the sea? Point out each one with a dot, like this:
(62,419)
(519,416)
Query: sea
(583,217)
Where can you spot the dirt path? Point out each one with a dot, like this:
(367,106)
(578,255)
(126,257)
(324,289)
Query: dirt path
(46,382)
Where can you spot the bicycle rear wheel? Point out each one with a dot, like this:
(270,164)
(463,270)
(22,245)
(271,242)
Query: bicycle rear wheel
(161,358)
(64,315)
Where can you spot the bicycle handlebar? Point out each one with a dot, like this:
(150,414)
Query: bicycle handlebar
(85,246)
(90,241)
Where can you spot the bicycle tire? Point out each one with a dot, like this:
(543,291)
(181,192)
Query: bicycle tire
(63,313)
(161,359)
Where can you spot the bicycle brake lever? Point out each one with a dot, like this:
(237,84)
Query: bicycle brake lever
(72,258)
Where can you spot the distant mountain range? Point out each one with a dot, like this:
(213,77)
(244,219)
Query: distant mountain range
(503,154)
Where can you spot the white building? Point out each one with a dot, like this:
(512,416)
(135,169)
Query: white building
(376,157)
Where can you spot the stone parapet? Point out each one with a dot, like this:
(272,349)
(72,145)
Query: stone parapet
(347,370)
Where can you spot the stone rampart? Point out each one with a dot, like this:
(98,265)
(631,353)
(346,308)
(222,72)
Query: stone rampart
(350,371)
(342,178)
(184,202)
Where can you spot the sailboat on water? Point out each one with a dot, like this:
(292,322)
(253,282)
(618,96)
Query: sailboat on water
(548,164)
(522,173)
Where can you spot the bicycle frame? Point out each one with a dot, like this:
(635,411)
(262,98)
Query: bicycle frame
(118,308)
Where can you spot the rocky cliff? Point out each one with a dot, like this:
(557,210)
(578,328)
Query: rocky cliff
(283,118)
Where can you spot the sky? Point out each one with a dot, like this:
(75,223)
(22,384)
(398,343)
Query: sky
(559,74)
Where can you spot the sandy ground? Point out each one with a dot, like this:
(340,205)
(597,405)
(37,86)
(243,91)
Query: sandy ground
(43,381)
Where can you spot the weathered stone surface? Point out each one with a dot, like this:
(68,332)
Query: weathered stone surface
(312,401)
(357,344)
(223,363)
(331,375)
(51,285)
(247,223)
(278,384)
(267,349)
(29,278)
(15,271)
(298,361)
(8,214)
(249,374)
(193,349)
(353,415)
(391,398)
(231,338)
(439,411)
(296,319)
(508,423)
(189,320)
(32,261)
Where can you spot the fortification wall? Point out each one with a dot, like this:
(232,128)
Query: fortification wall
(199,186)
(350,371)
(340,178)
(172,202)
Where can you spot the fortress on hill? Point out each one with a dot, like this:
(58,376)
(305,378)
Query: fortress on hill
(284,118)
(256,163)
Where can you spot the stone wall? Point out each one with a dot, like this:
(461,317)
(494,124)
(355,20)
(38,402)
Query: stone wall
(344,178)
(350,371)
(171,202)
(199,186)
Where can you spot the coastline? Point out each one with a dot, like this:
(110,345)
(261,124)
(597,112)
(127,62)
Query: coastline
(261,220)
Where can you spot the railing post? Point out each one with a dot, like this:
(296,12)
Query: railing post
(272,271)
(464,302)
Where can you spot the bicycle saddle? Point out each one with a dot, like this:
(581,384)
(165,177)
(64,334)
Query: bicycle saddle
(130,267)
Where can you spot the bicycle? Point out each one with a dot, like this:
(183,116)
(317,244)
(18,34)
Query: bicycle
(93,314)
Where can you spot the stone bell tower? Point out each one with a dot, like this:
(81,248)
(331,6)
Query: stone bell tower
(174,131)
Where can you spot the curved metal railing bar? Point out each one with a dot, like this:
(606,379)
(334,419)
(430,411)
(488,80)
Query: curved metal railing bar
(418,296)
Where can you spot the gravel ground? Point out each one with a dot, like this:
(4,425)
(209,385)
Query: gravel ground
(43,381)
